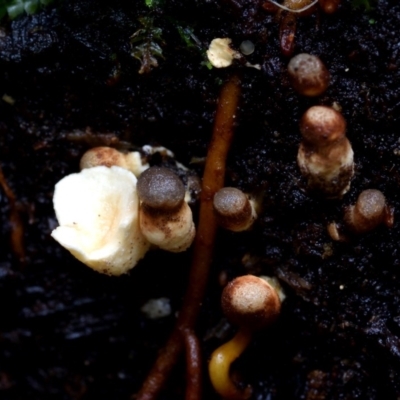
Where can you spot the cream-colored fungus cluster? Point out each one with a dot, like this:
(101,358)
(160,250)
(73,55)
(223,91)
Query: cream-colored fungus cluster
(104,221)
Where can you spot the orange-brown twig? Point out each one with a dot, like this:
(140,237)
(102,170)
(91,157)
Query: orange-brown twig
(193,366)
(213,180)
(16,225)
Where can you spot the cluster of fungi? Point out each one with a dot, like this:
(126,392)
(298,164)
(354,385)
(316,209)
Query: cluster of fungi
(164,219)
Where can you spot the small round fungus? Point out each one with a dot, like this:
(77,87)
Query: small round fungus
(308,75)
(160,189)
(325,156)
(233,209)
(321,126)
(165,218)
(98,213)
(329,6)
(108,156)
(369,211)
(251,302)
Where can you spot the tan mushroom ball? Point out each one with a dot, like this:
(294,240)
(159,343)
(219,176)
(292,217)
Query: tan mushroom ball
(321,125)
(108,157)
(233,209)
(308,75)
(368,212)
(325,155)
(251,302)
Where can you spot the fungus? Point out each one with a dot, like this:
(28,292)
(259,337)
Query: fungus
(109,156)
(98,213)
(165,218)
(369,211)
(325,156)
(329,6)
(220,54)
(251,303)
(308,75)
(234,210)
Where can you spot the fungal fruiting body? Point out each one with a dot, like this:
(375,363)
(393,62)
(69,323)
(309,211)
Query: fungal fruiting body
(368,213)
(308,75)
(325,156)
(220,54)
(109,156)
(233,209)
(98,213)
(165,218)
(252,304)
(329,6)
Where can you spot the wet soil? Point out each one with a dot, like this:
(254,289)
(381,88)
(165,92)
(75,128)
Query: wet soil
(67,332)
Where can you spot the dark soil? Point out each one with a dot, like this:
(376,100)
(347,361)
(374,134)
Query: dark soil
(67,332)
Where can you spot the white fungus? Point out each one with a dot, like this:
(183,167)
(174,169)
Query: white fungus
(220,54)
(98,213)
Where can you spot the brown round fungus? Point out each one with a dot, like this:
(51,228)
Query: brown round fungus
(165,218)
(325,156)
(329,6)
(308,75)
(108,157)
(233,209)
(251,303)
(369,211)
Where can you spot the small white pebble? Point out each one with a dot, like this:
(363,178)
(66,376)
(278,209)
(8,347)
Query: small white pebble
(157,308)
(8,99)
(247,47)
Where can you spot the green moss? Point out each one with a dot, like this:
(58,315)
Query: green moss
(366,4)
(14,8)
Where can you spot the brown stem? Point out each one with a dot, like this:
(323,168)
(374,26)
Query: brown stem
(213,180)
(287,32)
(193,366)
(17,227)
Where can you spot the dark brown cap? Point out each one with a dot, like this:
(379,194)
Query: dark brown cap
(160,189)
(233,209)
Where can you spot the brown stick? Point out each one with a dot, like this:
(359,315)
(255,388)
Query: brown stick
(193,366)
(16,225)
(213,180)
(287,32)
